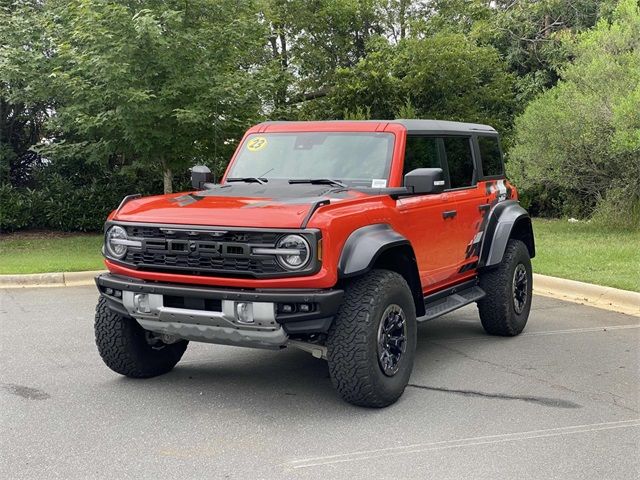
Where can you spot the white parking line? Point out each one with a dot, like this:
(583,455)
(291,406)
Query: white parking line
(459,443)
(603,328)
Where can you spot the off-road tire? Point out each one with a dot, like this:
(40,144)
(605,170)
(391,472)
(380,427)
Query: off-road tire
(123,346)
(352,342)
(497,309)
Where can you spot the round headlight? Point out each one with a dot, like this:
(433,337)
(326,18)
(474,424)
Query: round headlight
(116,242)
(299,253)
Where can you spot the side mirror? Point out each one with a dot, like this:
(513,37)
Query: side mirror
(424,180)
(200,174)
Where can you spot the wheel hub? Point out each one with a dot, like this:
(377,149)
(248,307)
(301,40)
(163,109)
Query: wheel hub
(392,339)
(520,284)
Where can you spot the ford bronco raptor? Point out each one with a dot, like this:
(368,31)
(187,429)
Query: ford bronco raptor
(334,237)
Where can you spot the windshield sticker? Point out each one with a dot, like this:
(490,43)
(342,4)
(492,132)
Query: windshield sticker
(379,183)
(256,144)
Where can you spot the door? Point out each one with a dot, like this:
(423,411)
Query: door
(422,219)
(466,199)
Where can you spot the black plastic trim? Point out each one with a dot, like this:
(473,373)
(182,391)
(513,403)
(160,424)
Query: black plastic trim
(127,199)
(312,210)
(327,301)
(364,246)
(440,294)
(318,325)
(505,214)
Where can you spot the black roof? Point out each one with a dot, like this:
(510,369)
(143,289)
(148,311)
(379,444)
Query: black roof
(443,126)
(417,126)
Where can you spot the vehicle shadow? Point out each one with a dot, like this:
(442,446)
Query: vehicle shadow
(287,383)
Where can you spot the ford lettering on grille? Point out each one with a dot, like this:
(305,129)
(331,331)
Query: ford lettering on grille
(187,247)
(209,252)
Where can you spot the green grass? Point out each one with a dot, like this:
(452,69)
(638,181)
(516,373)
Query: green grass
(41,252)
(588,253)
(578,251)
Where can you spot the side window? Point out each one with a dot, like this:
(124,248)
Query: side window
(421,152)
(491,157)
(459,161)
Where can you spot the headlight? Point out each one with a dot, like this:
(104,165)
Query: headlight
(298,252)
(116,242)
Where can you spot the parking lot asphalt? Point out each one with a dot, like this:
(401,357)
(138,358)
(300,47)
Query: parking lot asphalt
(560,401)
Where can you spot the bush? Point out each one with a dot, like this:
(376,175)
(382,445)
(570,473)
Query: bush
(579,142)
(79,201)
(617,211)
(16,207)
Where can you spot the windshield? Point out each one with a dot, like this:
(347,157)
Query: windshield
(354,158)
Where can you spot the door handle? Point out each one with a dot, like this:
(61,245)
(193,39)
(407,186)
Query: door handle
(449,214)
(484,207)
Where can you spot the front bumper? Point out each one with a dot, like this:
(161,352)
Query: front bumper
(211,314)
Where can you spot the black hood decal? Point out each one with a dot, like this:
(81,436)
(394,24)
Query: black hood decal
(272,194)
(276,190)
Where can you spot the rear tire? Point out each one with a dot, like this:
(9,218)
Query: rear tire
(371,344)
(505,309)
(128,349)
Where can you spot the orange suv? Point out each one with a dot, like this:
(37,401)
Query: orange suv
(334,237)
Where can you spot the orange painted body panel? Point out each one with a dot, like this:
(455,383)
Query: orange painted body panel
(442,246)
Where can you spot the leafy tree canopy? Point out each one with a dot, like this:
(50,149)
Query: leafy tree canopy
(583,135)
(165,85)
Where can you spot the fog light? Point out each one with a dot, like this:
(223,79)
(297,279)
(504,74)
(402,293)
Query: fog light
(141,302)
(286,308)
(304,307)
(244,312)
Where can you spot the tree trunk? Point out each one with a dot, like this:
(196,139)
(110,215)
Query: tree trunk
(403,20)
(168,179)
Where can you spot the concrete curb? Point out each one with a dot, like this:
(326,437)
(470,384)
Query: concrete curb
(57,279)
(607,298)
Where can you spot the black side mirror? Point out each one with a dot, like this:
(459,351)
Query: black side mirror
(200,174)
(424,180)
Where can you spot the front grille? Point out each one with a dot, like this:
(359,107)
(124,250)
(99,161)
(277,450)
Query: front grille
(204,252)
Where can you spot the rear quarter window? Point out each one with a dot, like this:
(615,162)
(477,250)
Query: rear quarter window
(491,156)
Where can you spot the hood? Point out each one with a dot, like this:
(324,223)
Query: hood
(235,205)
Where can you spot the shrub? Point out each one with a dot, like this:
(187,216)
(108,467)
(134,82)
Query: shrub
(580,140)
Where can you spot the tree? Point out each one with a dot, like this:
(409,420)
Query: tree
(165,85)
(24,100)
(444,76)
(309,41)
(531,36)
(583,135)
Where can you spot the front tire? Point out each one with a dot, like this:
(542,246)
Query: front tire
(371,344)
(505,309)
(130,350)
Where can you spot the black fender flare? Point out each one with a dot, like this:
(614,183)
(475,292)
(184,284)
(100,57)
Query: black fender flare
(508,219)
(366,245)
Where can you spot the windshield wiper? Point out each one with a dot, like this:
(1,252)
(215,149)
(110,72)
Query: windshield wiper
(319,181)
(260,180)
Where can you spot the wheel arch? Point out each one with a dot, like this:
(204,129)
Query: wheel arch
(379,246)
(507,220)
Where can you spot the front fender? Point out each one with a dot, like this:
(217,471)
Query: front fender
(364,246)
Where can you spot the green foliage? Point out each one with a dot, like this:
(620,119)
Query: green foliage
(444,76)
(164,85)
(24,96)
(72,197)
(101,99)
(583,135)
